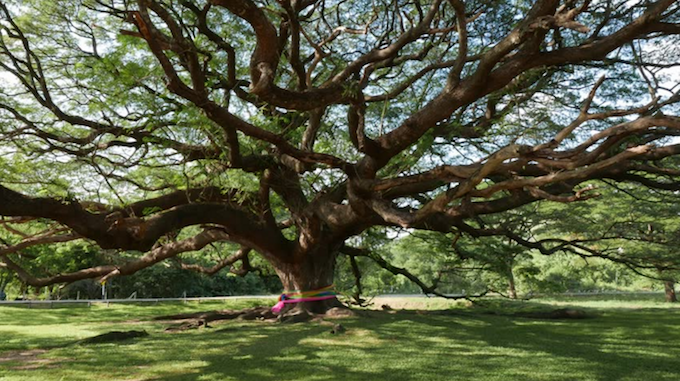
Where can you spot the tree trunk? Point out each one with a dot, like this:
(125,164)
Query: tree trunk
(670,291)
(512,291)
(4,281)
(314,272)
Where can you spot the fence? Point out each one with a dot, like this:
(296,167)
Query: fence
(90,302)
(134,299)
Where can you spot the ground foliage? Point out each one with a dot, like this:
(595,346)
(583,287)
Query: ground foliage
(432,340)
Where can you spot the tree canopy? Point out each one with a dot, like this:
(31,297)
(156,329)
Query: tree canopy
(289,127)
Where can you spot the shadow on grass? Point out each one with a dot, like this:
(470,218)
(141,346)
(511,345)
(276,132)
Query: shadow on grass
(482,347)
(101,312)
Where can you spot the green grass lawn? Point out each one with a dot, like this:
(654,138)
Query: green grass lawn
(626,340)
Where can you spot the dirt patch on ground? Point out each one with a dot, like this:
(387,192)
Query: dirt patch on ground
(28,359)
(21,355)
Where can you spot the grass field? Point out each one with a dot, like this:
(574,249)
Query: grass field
(634,339)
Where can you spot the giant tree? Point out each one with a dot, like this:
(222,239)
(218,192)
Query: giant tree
(288,127)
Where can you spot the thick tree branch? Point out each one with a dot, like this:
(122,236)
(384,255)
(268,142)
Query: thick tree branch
(159,254)
(240,255)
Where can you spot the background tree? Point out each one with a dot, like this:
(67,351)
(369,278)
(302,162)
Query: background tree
(631,225)
(288,127)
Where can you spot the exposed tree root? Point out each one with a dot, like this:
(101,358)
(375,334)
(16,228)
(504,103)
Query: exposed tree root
(183,322)
(562,313)
(202,319)
(208,316)
(338,329)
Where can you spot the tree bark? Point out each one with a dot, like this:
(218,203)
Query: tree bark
(669,286)
(312,272)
